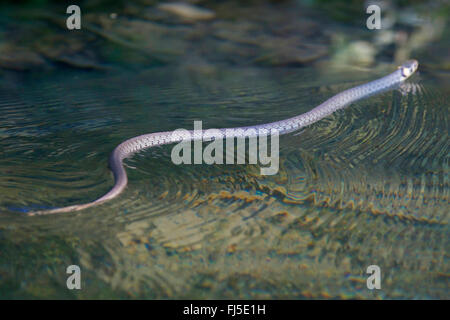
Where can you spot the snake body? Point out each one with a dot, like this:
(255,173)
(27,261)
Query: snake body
(339,101)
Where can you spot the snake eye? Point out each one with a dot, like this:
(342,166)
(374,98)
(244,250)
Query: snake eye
(406,72)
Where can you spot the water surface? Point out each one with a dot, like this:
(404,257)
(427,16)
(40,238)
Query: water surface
(366,185)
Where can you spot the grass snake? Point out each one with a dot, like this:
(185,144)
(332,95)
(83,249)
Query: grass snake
(339,101)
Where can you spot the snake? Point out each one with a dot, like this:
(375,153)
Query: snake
(129,147)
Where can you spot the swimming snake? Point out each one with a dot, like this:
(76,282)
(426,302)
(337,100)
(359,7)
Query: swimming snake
(339,101)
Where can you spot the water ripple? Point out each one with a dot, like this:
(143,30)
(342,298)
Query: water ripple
(369,183)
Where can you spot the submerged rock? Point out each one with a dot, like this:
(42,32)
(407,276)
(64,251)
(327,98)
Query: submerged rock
(357,53)
(187,11)
(19,58)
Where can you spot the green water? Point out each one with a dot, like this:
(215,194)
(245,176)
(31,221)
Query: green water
(367,185)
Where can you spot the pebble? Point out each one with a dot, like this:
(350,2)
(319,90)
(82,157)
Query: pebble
(187,11)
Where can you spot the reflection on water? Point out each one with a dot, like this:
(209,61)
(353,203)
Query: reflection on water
(367,185)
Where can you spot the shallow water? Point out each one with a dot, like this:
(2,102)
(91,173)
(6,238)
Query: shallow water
(367,185)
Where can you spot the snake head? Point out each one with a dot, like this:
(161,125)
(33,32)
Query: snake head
(408,68)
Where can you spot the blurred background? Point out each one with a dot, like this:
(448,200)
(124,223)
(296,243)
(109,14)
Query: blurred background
(201,34)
